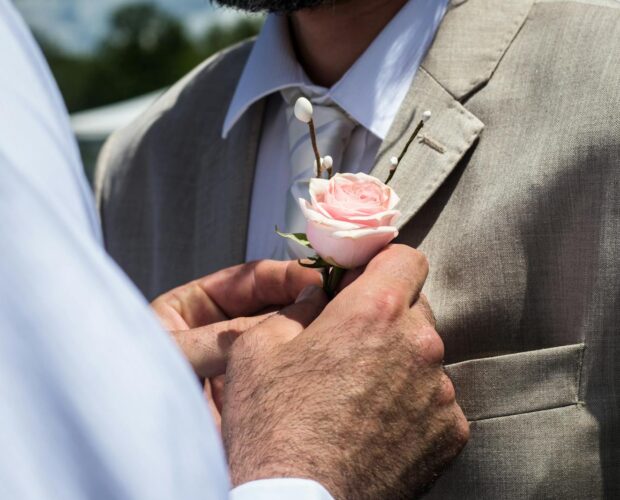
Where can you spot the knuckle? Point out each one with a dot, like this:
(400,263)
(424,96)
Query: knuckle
(429,345)
(240,325)
(426,310)
(423,261)
(266,278)
(244,346)
(446,392)
(462,431)
(419,260)
(384,305)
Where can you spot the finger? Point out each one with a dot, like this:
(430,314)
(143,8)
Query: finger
(398,271)
(217,391)
(187,306)
(215,411)
(206,348)
(349,277)
(290,321)
(242,290)
(246,289)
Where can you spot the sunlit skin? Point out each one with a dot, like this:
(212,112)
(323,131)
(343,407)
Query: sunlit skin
(328,35)
(205,316)
(318,35)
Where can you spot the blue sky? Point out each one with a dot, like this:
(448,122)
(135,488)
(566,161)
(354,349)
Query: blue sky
(77,24)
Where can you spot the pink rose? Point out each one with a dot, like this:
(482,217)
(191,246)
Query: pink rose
(350,218)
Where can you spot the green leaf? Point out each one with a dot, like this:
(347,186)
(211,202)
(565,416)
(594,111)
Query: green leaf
(315,263)
(300,238)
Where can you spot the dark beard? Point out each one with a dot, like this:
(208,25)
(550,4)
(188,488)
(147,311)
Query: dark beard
(277,6)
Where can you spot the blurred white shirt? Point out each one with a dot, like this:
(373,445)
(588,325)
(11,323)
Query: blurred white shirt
(371,92)
(96,400)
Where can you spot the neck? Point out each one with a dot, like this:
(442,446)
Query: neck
(330,38)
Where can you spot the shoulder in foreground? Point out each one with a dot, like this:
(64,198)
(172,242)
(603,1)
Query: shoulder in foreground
(206,90)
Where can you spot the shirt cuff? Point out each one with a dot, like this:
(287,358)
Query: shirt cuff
(282,488)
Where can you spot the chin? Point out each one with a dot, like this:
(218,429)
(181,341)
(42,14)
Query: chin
(275,6)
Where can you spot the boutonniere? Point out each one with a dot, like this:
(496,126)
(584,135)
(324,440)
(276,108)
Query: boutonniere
(350,217)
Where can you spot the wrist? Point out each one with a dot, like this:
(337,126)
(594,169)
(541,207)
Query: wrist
(271,465)
(267,489)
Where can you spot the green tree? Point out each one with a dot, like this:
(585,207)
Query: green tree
(145,49)
(219,37)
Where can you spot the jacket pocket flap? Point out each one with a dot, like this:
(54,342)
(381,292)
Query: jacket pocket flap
(518,383)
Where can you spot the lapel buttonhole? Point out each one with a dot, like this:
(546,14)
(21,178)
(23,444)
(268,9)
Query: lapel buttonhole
(432,143)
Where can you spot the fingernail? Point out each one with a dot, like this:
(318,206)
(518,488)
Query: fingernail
(307,292)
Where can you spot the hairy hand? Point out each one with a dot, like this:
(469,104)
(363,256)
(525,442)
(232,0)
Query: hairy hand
(351,393)
(205,316)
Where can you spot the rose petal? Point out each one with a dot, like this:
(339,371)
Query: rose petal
(311,214)
(318,188)
(350,218)
(349,249)
(386,218)
(394,199)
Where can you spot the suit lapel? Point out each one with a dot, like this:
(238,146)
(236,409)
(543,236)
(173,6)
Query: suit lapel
(469,45)
(472,40)
(442,143)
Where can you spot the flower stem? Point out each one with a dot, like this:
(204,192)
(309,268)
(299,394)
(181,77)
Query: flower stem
(325,273)
(331,280)
(315,147)
(404,151)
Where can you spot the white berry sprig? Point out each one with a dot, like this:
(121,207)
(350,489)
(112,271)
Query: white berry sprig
(303,112)
(395,161)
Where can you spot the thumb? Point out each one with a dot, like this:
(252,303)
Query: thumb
(290,321)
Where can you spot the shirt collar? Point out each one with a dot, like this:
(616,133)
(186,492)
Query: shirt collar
(371,91)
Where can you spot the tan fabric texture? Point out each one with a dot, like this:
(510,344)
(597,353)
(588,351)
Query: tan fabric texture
(516,205)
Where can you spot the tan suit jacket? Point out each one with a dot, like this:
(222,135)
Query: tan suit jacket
(517,207)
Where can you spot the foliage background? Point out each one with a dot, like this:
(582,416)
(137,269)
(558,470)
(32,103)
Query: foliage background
(103,52)
(145,48)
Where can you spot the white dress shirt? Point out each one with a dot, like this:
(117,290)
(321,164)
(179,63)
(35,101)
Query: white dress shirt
(95,399)
(371,91)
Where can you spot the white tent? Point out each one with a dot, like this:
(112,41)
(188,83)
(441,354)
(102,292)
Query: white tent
(97,124)
(92,127)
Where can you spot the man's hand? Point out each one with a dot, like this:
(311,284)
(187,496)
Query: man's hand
(353,396)
(206,316)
